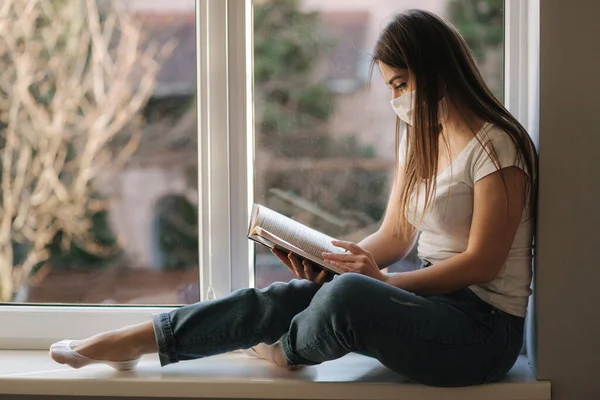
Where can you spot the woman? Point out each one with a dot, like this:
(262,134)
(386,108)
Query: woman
(465,179)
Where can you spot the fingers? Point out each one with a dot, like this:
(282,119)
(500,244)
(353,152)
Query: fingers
(322,277)
(280,254)
(349,246)
(348,266)
(297,266)
(282,257)
(309,271)
(347,257)
(316,275)
(343,259)
(354,254)
(304,269)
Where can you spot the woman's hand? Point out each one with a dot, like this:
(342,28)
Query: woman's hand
(357,260)
(303,270)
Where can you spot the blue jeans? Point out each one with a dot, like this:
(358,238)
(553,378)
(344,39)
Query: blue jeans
(454,339)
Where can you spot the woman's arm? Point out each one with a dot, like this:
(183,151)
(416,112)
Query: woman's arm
(383,246)
(386,248)
(497,211)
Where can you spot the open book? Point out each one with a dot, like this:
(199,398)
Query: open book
(274,230)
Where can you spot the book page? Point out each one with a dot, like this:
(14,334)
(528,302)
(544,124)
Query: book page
(263,236)
(311,241)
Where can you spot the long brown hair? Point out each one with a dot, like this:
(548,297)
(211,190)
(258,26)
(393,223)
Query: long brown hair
(440,64)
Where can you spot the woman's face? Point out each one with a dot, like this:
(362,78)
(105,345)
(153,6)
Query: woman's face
(397,79)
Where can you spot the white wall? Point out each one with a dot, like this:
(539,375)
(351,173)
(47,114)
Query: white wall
(134,195)
(568,271)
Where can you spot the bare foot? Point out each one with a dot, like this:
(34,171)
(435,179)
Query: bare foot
(273,353)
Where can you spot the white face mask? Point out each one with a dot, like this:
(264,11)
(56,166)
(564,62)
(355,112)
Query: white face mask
(404,106)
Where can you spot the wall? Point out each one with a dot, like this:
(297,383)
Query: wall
(134,193)
(568,272)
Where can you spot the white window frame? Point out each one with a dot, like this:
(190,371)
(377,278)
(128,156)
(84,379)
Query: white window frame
(521,62)
(521,84)
(226,156)
(224,78)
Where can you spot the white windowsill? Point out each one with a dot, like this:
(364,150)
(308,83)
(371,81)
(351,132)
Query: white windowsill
(235,375)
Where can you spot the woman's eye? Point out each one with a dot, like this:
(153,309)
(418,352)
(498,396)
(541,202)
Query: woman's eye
(401,86)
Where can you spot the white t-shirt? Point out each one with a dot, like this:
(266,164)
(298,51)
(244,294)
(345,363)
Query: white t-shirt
(445,228)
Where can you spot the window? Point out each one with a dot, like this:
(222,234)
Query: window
(99,204)
(241,141)
(324,140)
(120,179)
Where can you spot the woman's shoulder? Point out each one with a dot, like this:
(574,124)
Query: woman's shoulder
(493,139)
(493,135)
(495,148)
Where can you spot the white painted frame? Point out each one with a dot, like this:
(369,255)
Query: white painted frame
(521,85)
(521,62)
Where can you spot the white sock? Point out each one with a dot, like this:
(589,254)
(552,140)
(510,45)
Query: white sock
(63,353)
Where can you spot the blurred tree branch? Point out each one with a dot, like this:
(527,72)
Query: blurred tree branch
(71,80)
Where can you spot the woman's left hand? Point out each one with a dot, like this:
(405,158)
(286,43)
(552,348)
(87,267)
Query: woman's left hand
(358,260)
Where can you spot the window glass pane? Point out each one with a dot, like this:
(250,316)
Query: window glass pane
(99,199)
(324,140)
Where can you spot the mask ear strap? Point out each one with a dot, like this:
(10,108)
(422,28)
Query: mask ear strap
(443,109)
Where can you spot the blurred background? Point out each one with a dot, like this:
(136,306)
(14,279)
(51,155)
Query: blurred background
(324,141)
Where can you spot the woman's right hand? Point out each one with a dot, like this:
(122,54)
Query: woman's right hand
(303,270)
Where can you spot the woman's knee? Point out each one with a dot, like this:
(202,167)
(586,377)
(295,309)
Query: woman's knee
(342,292)
(293,288)
(285,299)
(349,284)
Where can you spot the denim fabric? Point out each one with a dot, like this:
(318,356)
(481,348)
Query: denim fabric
(454,339)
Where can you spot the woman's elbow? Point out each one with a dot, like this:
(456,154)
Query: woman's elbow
(489,272)
(485,269)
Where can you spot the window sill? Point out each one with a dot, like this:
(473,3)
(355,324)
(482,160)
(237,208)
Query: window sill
(236,376)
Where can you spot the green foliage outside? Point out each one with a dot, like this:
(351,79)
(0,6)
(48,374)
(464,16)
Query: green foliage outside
(177,232)
(74,257)
(481,22)
(293,105)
